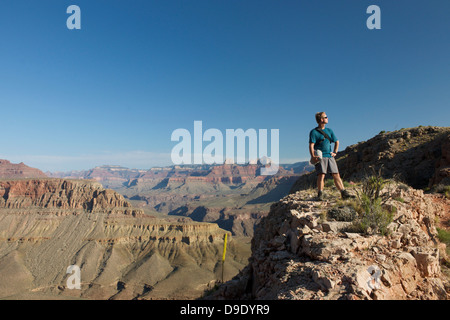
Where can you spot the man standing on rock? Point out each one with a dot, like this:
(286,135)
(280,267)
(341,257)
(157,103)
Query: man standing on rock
(320,140)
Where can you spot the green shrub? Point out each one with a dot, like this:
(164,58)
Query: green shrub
(342,213)
(441,188)
(372,186)
(443,235)
(373,217)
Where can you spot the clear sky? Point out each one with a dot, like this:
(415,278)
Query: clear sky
(115,90)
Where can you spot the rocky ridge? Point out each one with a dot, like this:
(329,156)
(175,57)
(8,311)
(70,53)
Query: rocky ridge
(298,252)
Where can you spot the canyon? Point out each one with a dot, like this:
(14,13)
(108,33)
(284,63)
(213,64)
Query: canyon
(48,224)
(159,233)
(233,196)
(160,238)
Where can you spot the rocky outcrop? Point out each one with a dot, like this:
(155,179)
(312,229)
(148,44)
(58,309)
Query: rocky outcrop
(10,170)
(417,156)
(299,252)
(442,171)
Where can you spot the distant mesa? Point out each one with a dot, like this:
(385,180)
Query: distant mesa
(228,173)
(10,170)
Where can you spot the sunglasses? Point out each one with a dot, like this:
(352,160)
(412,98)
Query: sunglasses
(324,117)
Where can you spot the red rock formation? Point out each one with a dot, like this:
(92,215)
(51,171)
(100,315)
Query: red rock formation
(10,170)
(62,194)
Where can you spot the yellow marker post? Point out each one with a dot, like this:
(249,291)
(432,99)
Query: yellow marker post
(224,247)
(224,252)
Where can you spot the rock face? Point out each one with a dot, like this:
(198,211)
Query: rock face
(10,170)
(442,171)
(47,225)
(298,253)
(417,156)
(65,196)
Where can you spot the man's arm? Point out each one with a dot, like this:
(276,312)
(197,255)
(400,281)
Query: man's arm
(311,152)
(336,148)
(311,149)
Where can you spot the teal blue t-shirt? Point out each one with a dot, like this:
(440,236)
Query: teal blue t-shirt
(321,143)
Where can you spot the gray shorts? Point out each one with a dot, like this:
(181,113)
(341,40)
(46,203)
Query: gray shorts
(327,165)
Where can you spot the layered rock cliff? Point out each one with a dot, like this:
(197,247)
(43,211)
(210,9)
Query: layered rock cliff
(300,252)
(64,196)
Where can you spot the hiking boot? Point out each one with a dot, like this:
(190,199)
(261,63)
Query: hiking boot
(319,196)
(346,195)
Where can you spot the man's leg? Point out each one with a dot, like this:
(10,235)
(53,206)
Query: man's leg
(320,184)
(321,169)
(320,181)
(337,181)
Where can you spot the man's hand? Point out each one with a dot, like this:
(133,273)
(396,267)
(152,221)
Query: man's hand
(333,154)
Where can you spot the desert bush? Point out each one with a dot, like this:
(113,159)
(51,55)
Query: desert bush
(444,237)
(373,217)
(372,186)
(444,189)
(342,213)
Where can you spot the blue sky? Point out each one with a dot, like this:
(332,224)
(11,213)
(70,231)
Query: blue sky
(114,91)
